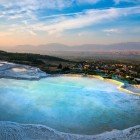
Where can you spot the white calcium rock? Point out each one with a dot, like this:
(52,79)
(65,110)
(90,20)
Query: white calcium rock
(16,131)
(18,71)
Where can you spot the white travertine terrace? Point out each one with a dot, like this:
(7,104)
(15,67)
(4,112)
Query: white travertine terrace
(16,131)
(11,70)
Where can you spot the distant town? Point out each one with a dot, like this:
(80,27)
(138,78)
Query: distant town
(113,69)
(120,71)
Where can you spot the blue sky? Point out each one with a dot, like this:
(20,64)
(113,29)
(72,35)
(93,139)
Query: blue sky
(69,21)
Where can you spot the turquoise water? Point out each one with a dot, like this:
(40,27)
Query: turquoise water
(69,104)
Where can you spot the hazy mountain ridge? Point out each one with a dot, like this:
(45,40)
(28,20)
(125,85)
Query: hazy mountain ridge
(130,46)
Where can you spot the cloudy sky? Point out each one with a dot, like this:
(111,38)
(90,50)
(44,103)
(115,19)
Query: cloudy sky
(69,22)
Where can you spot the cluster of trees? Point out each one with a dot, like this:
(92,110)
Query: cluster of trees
(64,69)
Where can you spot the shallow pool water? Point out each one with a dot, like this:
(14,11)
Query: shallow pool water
(69,104)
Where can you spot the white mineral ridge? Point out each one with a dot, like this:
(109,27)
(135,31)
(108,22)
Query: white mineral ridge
(16,131)
(11,70)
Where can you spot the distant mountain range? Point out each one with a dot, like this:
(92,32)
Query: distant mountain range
(55,47)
